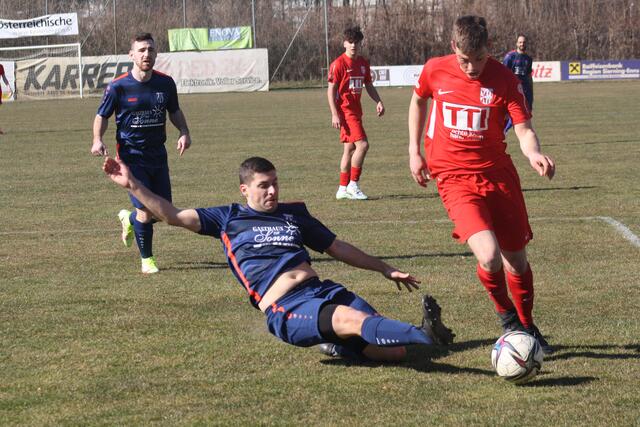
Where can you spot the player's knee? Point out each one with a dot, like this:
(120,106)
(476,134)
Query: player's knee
(489,260)
(363,146)
(143,216)
(347,321)
(518,267)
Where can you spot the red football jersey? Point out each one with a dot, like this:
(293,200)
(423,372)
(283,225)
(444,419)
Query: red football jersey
(465,127)
(350,75)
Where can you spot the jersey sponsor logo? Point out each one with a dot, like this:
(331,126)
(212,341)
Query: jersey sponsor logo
(444,92)
(356,83)
(132,99)
(277,235)
(465,117)
(486,95)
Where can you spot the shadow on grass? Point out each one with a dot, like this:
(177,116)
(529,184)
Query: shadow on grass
(585,187)
(421,358)
(559,382)
(405,196)
(390,257)
(591,142)
(197,265)
(590,352)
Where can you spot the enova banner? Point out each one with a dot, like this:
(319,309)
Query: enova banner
(186,39)
(194,72)
(62,24)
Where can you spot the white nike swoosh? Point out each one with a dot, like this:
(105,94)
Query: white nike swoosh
(444,92)
(349,70)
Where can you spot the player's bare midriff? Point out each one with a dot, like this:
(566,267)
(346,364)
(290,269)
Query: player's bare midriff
(286,282)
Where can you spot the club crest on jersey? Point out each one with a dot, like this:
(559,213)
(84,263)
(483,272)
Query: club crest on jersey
(160,97)
(486,95)
(362,69)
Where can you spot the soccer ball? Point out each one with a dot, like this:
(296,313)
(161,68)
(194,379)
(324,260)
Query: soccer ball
(517,357)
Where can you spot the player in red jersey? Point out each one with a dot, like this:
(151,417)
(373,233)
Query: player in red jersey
(4,78)
(348,74)
(465,152)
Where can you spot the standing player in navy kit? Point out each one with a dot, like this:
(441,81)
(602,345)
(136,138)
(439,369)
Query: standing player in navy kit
(141,98)
(522,66)
(265,241)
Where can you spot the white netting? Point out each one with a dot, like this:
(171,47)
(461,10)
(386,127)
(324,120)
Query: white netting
(46,72)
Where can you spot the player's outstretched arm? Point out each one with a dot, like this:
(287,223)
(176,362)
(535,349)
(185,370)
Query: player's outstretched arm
(349,254)
(373,93)
(162,209)
(180,122)
(332,91)
(530,147)
(417,119)
(99,128)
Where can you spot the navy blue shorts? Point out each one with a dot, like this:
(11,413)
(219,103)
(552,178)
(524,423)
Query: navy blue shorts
(155,179)
(294,317)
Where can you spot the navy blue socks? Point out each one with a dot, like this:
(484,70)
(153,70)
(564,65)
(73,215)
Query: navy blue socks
(385,332)
(144,235)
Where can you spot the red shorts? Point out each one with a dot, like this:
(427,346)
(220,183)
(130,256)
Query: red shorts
(352,130)
(487,201)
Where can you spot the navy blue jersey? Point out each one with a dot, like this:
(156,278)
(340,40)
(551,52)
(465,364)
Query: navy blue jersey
(141,117)
(522,66)
(259,245)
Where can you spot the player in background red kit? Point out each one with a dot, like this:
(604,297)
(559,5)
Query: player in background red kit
(472,97)
(348,74)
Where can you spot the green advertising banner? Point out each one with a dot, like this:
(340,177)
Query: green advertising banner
(181,39)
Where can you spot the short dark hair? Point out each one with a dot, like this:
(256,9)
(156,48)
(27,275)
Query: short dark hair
(252,166)
(353,34)
(470,33)
(140,37)
(521,35)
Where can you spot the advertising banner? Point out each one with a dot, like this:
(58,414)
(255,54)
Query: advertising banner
(61,24)
(396,75)
(546,71)
(185,39)
(9,72)
(601,70)
(244,70)
(407,75)
(194,72)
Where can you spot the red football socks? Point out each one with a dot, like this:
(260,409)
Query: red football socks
(344,178)
(496,285)
(521,288)
(355,173)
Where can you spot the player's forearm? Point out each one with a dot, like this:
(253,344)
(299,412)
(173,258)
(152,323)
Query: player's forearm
(417,119)
(159,207)
(529,143)
(349,254)
(180,122)
(373,93)
(99,127)
(331,98)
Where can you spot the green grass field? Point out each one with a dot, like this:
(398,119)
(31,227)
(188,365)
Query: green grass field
(87,340)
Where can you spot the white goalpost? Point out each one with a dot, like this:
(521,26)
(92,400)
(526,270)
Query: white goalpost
(46,71)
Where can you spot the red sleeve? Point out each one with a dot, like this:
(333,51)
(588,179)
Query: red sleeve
(367,74)
(422,87)
(335,72)
(516,101)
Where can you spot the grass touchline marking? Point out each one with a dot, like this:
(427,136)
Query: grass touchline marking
(622,229)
